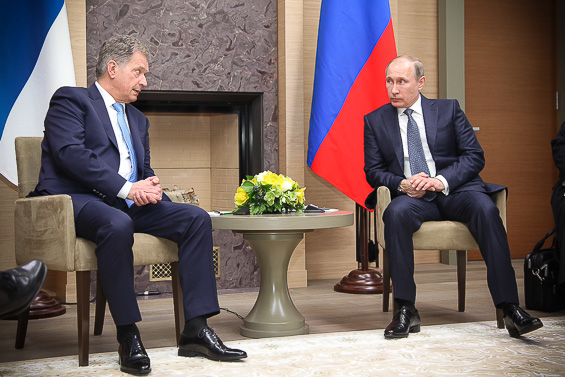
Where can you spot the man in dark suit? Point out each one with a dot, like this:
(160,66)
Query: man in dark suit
(558,200)
(426,152)
(96,149)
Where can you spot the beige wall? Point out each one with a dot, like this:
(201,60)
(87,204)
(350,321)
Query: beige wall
(185,155)
(291,112)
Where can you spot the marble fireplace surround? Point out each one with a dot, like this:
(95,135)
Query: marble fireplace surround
(203,46)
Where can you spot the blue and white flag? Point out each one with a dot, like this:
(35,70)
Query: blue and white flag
(35,60)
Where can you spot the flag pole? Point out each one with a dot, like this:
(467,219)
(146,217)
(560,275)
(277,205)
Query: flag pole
(363,279)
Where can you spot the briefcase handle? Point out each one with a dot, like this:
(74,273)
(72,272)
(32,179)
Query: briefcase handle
(540,243)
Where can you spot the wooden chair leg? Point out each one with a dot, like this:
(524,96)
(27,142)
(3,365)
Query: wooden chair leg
(499,318)
(100,308)
(386,282)
(177,300)
(83,315)
(461,278)
(23,320)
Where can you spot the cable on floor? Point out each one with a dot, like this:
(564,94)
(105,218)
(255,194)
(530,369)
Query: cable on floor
(232,312)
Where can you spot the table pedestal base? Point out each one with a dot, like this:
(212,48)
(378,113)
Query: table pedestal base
(269,332)
(274,313)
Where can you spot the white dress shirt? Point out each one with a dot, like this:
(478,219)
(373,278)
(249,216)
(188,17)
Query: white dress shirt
(418,117)
(125,168)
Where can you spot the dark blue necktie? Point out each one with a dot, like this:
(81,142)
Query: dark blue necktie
(416,154)
(127,138)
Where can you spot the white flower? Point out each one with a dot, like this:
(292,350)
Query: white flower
(287,185)
(261,176)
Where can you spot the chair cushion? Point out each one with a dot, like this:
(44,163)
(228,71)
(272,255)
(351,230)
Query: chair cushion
(147,249)
(444,235)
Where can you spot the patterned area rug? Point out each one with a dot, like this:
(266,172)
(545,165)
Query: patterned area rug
(470,349)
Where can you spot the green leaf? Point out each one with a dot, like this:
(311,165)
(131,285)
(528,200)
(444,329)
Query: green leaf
(276,190)
(270,198)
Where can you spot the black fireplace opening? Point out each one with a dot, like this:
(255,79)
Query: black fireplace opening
(248,106)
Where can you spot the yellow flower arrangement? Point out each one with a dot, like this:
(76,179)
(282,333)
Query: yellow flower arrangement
(268,192)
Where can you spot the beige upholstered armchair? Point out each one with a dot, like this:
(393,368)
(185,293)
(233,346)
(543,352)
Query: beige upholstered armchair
(45,230)
(436,235)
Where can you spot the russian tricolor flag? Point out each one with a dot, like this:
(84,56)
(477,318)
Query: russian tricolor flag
(35,60)
(355,44)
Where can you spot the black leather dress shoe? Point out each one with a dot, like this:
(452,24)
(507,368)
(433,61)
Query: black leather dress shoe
(208,344)
(19,287)
(518,322)
(133,358)
(406,320)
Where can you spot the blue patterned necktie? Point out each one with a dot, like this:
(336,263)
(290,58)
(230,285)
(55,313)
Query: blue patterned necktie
(127,138)
(416,154)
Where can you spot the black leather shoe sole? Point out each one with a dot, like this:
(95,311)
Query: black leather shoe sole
(204,352)
(399,335)
(515,332)
(135,371)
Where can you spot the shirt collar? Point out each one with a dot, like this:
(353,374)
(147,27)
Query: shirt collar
(107,97)
(416,106)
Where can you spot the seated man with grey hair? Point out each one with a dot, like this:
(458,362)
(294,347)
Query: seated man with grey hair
(96,149)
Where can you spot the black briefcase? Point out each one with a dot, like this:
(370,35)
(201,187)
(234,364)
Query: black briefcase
(541,274)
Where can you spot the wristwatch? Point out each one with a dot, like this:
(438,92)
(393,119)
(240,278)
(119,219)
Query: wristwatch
(399,190)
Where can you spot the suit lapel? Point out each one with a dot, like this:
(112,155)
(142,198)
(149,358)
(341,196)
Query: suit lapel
(100,106)
(430,112)
(392,127)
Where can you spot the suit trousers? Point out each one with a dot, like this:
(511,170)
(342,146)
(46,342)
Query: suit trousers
(112,230)
(405,215)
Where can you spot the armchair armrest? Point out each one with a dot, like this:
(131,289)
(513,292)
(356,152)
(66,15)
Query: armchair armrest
(500,201)
(45,230)
(383,200)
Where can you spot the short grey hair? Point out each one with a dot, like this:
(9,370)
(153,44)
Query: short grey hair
(120,49)
(417,64)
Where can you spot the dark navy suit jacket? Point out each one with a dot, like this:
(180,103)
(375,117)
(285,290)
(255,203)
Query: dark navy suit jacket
(453,144)
(79,150)
(558,197)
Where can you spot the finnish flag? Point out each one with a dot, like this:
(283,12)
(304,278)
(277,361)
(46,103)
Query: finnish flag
(35,60)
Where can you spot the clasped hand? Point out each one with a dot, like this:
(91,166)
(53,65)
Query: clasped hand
(418,184)
(146,191)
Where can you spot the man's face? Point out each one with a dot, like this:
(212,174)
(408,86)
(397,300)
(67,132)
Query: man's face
(128,80)
(401,85)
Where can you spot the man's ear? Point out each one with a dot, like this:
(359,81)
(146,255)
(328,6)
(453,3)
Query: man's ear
(111,68)
(421,82)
